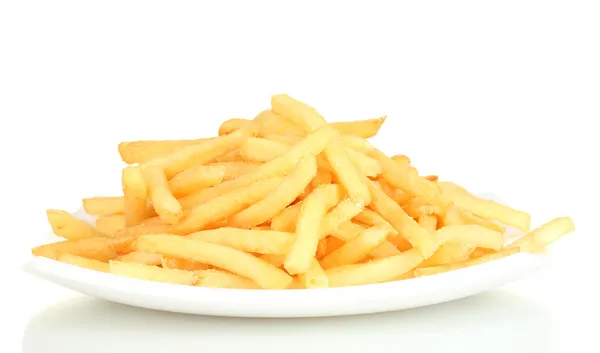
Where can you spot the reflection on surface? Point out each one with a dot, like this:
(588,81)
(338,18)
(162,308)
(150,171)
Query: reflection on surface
(492,322)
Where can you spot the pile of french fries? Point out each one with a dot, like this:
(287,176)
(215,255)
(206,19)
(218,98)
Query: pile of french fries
(285,201)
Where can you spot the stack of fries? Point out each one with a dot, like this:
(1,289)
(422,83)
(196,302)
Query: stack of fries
(285,201)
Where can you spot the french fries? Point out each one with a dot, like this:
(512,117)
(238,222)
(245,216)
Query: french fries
(285,200)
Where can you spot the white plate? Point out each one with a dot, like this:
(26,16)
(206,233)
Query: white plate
(374,298)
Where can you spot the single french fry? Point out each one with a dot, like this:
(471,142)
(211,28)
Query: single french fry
(273,259)
(297,112)
(287,139)
(346,174)
(232,125)
(400,197)
(285,221)
(280,198)
(264,274)
(428,271)
(230,157)
(183,264)
(256,241)
(165,204)
(471,234)
(486,209)
(385,249)
(67,226)
(452,217)
(356,143)
(407,227)
(470,218)
(196,178)
(222,207)
(232,170)
(401,159)
(100,248)
(449,253)
(103,206)
(83,262)
(144,258)
(110,224)
(262,150)
(479,252)
(356,249)
(375,271)
(142,151)
(308,231)
(544,235)
(428,222)
(151,273)
(135,195)
(347,231)
(340,214)
(334,243)
(314,277)
(361,128)
(182,159)
(273,124)
(364,165)
(221,279)
(125,237)
(372,218)
(417,208)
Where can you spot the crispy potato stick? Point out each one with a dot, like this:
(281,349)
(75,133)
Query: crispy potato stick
(364,165)
(356,143)
(342,213)
(273,203)
(314,277)
(487,209)
(356,249)
(264,274)
(347,231)
(103,206)
(375,271)
(407,179)
(470,234)
(234,169)
(196,178)
(308,231)
(273,259)
(417,208)
(360,128)
(273,124)
(233,156)
(262,150)
(142,151)
(429,222)
(401,159)
(385,249)
(287,139)
(372,218)
(232,125)
(109,225)
(334,243)
(165,204)
(479,252)
(182,159)
(544,235)
(452,217)
(312,144)
(125,237)
(222,207)
(449,253)
(68,226)
(144,258)
(400,197)
(346,174)
(285,221)
(222,279)
(427,271)
(400,243)
(100,249)
(470,218)
(151,273)
(256,241)
(83,262)
(297,112)
(183,264)
(135,193)
(418,236)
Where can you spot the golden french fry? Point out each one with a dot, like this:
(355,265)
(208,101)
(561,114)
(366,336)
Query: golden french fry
(232,170)
(183,264)
(334,243)
(68,226)
(340,214)
(101,249)
(321,249)
(314,277)
(385,249)
(479,252)
(273,259)
(196,178)
(356,143)
(401,159)
(103,206)
(487,209)
(427,271)
(372,218)
(297,112)
(221,279)
(452,217)
(232,125)
(347,231)
(165,204)
(308,231)
(285,221)
(273,203)
(142,151)
(144,258)
(256,241)
(109,225)
(361,128)
(135,195)
(346,174)
(428,222)
(272,124)
(182,159)
(262,150)
(83,262)
(356,249)
(264,274)
(470,234)
(449,253)
(400,197)
(151,273)
(364,165)
(407,227)
(287,139)
(470,218)
(125,237)
(417,208)
(375,271)
(222,207)
(230,157)
(544,235)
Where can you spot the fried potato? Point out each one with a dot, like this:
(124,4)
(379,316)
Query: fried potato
(233,170)
(346,174)
(165,204)
(347,231)
(428,222)
(297,112)
(83,262)
(143,151)
(232,125)
(68,226)
(285,221)
(314,277)
(135,195)
(262,150)
(222,279)
(101,249)
(144,258)
(427,271)
(125,237)
(151,273)
(256,241)
(356,143)
(103,206)
(470,234)
(364,165)
(356,249)
(196,178)
(271,124)
(183,264)
(372,218)
(109,225)
(544,235)
(273,259)
(360,128)
(470,218)
(385,249)
(400,197)
(342,213)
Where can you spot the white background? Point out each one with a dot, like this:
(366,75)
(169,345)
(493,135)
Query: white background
(499,96)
